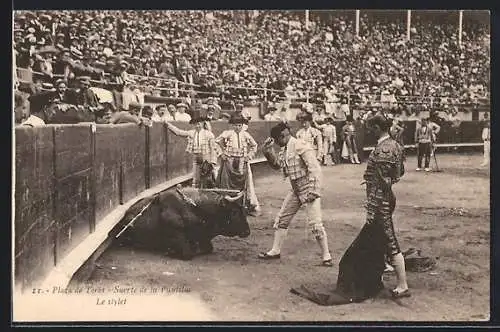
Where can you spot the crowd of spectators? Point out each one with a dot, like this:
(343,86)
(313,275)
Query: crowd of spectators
(228,56)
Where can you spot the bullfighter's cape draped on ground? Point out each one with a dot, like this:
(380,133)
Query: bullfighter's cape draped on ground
(362,266)
(360,271)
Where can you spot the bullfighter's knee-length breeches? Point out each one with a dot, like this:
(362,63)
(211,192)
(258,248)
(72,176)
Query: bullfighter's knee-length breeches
(291,206)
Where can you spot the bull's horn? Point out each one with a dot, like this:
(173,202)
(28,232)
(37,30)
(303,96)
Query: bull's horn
(235,198)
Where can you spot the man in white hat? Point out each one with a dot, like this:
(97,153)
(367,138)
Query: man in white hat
(180,114)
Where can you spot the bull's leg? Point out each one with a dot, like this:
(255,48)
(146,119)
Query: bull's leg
(185,248)
(206,246)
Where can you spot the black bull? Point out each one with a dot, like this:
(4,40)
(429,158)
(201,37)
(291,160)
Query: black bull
(173,224)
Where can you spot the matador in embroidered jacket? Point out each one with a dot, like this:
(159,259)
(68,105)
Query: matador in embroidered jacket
(299,163)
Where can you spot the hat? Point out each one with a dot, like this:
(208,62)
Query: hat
(304,116)
(182,105)
(134,104)
(239,106)
(59,81)
(349,118)
(84,79)
(47,87)
(237,118)
(278,129)
(197,117)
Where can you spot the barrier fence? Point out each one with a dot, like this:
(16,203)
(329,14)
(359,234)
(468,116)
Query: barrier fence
(70,177)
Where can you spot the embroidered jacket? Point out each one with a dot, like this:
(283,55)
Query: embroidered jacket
(236,144)
(314,137)
(201,143)
(384,168)
(298,162)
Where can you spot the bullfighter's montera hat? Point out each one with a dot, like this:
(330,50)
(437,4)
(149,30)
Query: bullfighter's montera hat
(236,118)
(277,129)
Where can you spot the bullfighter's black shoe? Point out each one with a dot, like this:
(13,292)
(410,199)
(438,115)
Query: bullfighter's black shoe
(265,255)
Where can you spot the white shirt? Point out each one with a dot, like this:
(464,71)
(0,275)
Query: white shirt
(182,117)
(33,121)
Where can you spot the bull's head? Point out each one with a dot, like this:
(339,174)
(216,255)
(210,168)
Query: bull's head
(236,219)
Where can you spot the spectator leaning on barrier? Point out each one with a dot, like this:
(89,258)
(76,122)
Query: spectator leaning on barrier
(180,114)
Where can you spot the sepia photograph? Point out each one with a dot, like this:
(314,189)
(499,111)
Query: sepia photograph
(251,166)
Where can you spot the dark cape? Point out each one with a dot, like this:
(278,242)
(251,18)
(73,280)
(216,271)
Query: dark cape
(229,177)
(360,271)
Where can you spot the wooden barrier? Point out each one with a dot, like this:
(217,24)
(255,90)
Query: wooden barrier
(71,178)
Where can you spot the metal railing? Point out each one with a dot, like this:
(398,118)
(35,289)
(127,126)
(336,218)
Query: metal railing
(177,89)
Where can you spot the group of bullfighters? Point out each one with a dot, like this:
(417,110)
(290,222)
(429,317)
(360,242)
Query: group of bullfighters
(300,161)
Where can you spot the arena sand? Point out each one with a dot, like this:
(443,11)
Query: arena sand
(445,214)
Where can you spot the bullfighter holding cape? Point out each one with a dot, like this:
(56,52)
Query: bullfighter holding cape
(238,148)
(362,266)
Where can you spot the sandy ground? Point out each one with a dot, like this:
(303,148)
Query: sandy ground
(445,214)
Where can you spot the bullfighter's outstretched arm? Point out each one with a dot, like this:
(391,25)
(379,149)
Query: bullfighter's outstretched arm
(271,157)
(177,131)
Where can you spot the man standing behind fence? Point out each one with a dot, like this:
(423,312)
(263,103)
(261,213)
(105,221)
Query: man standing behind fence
(425,137)
(238,148)
(486,136)
(201,144)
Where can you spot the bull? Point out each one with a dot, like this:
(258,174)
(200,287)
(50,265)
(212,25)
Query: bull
(183,222)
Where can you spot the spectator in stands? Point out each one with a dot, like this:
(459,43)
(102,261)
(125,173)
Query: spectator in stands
(84,95)
(272,115)
(62,94)
(294,60)
(180,114)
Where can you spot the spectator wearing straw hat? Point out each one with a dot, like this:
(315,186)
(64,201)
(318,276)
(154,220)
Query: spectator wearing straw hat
(180,114)
(200,144)
(272,115)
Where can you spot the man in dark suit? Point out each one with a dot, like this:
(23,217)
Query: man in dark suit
(85,96)
(63,94)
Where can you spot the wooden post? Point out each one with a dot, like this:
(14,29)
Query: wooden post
(147,159)
(93,180)
(408,24)
(460,19)
(357,22)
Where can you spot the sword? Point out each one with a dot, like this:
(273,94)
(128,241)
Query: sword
(131,221)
